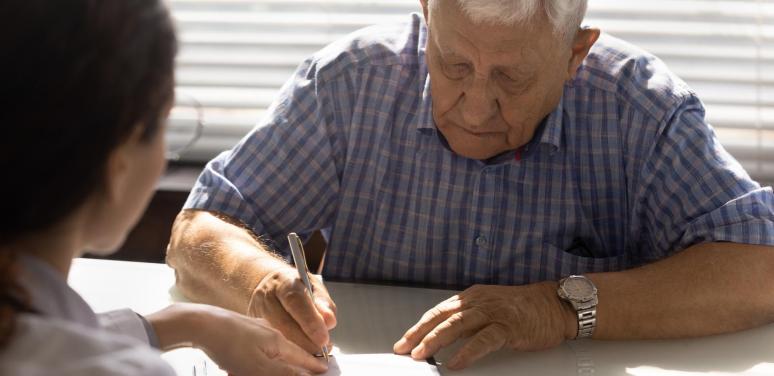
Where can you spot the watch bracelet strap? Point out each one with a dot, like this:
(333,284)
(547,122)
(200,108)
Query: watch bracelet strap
(587,321)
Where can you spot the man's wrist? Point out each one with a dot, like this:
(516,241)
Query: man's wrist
(567,314)
(580,294)
(272,271)
(570,318)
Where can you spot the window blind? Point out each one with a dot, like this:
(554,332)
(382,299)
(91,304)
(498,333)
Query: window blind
(235,54)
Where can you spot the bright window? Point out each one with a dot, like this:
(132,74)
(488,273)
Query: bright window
(237,53)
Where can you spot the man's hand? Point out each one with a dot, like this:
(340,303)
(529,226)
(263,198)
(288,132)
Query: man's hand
(239,344)
(523,318)
(281,299)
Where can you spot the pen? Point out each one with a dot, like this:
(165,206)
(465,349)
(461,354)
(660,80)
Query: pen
(297,250)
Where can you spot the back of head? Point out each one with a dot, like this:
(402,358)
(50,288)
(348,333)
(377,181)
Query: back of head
(77,78)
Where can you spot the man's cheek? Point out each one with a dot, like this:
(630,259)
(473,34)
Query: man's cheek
(445,98)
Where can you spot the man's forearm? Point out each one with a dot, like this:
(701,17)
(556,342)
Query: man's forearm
(217,262)
(706,289)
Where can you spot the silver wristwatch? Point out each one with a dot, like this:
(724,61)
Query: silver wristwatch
(581,293)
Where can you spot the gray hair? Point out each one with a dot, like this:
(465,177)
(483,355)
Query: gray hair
(565,15)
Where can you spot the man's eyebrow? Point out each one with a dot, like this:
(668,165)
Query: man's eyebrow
(447,52)
(451,54)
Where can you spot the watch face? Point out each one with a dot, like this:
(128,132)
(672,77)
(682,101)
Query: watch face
(578,288)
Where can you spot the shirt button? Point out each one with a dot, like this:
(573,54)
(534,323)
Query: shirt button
(481,241)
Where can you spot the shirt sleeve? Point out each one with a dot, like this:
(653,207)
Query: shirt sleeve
(284,175)
(46,346)
(127,322)
(693,191)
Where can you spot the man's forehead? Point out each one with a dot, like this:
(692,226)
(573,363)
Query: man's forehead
(453,46)
(516,58)
(501,43)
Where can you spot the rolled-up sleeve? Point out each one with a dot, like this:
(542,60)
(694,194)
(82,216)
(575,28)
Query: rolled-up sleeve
(284,175)
(694,191)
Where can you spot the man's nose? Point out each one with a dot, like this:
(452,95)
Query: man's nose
(479,104)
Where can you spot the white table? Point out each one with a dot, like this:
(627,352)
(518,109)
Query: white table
(371,318)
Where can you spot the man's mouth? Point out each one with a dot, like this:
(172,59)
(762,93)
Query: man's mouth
(481,133)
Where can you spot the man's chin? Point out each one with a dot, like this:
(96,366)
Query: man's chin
(475,152)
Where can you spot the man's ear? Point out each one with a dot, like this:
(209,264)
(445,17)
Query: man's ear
(581,45)
(424,9)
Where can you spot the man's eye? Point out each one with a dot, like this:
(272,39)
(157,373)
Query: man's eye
(510,84)
(456,71)
(505,78)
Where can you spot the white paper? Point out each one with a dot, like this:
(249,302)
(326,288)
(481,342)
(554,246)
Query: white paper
(193,362)
(378,365)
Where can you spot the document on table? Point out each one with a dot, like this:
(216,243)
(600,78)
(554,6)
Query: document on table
(379,365)
(193,362)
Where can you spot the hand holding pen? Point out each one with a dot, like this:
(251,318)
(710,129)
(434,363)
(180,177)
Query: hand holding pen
(282,298)
(297,249)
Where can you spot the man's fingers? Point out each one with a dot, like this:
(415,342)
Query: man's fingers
(327,310)
(297,336)
(279,318)
(296,301)
(489,339)
(429,320)
(454,327)
(295,355)
(325,304)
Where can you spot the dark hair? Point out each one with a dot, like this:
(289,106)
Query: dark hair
(77,77)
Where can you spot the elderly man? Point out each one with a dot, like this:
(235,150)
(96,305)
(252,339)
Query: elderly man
(498,147)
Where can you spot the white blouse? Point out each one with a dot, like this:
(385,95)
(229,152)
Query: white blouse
(67,338)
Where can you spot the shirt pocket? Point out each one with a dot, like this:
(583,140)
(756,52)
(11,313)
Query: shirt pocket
(561,262)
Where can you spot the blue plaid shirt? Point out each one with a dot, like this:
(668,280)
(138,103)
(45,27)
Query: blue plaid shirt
(623,172)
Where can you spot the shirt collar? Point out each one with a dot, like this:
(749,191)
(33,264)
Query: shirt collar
(425,119)
(552,130)
(50,295)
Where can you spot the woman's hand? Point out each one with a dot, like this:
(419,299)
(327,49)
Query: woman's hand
(239,344)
